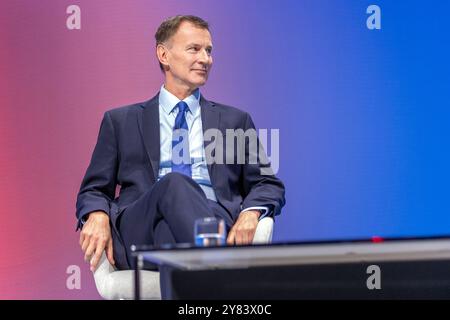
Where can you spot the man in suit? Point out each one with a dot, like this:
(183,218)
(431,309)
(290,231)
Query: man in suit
(160,198)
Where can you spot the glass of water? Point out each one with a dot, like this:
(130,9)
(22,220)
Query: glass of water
(210,232)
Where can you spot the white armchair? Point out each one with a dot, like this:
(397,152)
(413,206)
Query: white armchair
(115,284)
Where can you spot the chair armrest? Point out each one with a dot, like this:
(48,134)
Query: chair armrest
(113,284)
(264,231)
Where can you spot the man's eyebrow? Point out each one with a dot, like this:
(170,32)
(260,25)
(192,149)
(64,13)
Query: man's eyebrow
(193,44)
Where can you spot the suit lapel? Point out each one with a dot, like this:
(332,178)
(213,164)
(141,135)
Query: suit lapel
(210,120)
(149,128)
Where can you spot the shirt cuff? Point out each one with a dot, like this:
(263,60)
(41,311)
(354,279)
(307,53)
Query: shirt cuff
(81,223)
(264,211)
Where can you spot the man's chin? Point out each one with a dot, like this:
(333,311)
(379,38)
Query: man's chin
(199,83)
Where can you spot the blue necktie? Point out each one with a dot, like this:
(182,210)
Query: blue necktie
(181,132)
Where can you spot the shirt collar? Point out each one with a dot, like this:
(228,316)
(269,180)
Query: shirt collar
(168,101)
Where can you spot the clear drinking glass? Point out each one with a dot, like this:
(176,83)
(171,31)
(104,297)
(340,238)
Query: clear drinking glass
(209,232)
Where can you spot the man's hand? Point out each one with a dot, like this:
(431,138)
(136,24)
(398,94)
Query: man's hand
(244,229)
(96,237)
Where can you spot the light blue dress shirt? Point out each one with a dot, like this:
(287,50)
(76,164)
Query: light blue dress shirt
(167,115)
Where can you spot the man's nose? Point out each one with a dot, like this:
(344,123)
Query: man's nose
(204,57)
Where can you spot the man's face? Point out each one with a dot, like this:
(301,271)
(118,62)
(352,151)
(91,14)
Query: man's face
(189,55)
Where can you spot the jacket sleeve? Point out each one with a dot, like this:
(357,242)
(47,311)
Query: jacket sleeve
(261,187)
(99,183)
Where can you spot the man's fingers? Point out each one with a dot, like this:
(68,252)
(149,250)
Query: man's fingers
(89,251)
(98,254)
(244,236)
(251,236)
(109,252)
(85,244)
(231,235)
(81,239)
(239,237)
(95,259)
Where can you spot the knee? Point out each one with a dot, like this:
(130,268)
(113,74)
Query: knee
(175,178)
(178,184)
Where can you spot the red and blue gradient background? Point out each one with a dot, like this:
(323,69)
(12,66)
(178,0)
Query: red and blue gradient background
(363,115)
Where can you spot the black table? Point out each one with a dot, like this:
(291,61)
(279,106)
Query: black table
(394,269)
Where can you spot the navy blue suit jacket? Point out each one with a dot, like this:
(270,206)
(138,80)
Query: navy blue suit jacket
(127,155)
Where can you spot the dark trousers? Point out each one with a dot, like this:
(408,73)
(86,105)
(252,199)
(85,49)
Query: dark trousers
(166,214)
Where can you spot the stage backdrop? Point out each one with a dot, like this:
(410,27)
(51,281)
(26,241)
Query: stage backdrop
(360,94)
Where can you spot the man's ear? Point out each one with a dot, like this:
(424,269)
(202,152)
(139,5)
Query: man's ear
(161,53)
